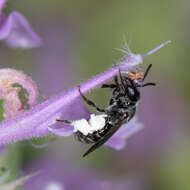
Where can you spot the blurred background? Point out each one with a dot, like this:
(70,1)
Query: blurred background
(79,40)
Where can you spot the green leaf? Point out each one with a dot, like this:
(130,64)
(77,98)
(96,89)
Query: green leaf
(23,96)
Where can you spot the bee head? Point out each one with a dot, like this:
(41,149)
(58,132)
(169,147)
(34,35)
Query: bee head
(133,82)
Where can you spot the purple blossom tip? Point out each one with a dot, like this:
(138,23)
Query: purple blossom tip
(64,131)
(17,33)
(157,48)
(38,121)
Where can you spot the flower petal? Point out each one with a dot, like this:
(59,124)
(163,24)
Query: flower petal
(17,33)
(118,141)
(64,131)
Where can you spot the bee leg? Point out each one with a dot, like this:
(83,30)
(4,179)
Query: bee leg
(65,121)
(121,78)
(111,85)
(90,103)
(116,80)
(108,86)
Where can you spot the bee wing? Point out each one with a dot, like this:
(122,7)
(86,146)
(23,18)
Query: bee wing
(103,139)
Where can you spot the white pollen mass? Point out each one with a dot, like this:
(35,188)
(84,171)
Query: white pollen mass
(95,123)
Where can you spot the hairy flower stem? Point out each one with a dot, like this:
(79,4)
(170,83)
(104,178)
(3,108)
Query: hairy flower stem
(35,122)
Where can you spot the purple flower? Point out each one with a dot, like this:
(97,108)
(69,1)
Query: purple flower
(59,174)
(37,121)
(16,31)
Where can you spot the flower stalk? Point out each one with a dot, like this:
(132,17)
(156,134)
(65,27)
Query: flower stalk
(36,122)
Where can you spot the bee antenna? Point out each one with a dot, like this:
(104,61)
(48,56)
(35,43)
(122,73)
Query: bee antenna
(121,78)
(146,72)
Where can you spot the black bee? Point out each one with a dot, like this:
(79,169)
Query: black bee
(121,109)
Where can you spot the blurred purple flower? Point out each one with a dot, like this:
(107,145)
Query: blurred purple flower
(16,31)
(56,58)
(36,122)
(118,141)
(57,175)
(60,53)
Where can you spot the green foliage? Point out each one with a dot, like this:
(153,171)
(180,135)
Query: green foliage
(1,110)
(23,96)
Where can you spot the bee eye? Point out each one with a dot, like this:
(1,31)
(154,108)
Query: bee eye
(131,91)
(133,94)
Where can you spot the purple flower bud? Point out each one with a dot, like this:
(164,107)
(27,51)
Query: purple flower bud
(16,31)
(17,91)
(37,121)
